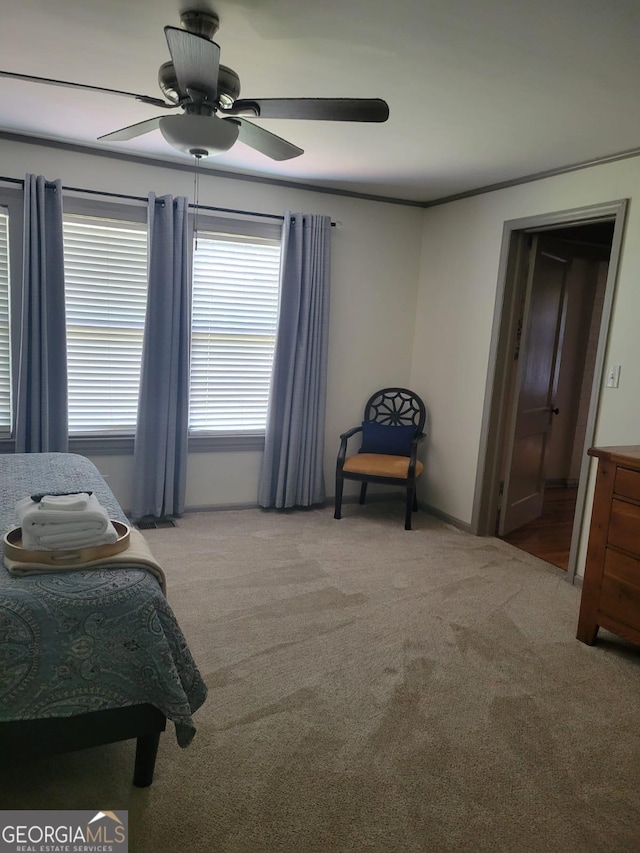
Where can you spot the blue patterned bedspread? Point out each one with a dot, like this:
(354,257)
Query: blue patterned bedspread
(80,641)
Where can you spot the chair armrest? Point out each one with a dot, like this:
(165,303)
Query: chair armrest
(350,432)
(343,445)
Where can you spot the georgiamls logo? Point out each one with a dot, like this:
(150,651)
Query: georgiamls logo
(100,815)
(63,831)
(103,830)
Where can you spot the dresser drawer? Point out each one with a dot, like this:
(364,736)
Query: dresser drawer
(611,588)
(627,483)
(624,526)
(620,590)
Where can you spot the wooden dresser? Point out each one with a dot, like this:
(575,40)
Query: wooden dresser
(611,588)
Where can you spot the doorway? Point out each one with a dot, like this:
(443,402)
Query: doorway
(552,314)
(567,272)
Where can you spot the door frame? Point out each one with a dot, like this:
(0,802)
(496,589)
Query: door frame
(513,260)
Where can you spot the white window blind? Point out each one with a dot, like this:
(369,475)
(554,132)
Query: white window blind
(5,345)
(105,264)
(235,311)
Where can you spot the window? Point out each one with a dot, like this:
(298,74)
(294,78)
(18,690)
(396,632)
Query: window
(236,271)
(235,312)
(235,306)
(105,267)
(5,345)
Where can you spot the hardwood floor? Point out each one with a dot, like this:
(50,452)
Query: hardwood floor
(549,537)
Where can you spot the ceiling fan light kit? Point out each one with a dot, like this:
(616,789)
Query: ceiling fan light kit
(208,135)
(212,117)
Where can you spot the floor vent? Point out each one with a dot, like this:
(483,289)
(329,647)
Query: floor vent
(149,522)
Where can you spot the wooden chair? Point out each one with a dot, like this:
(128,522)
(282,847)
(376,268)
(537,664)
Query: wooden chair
(392,429)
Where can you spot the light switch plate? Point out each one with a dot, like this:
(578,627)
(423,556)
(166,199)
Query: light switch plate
(613,376)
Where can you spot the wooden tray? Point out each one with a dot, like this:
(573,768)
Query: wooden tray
(64,558)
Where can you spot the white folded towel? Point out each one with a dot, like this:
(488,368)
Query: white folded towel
(70,540)
(45,528)
(65,502)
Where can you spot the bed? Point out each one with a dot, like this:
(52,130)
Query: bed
(87,657)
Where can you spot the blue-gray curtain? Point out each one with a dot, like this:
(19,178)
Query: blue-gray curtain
(41,418)
(160,455)
(292,465)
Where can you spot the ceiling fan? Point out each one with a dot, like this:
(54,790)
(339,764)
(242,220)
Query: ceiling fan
(212,115)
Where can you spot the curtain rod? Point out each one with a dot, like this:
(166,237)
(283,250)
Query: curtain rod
(142,198)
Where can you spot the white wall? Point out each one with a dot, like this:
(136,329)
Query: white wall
(456,296)
(375,265)
(392,264)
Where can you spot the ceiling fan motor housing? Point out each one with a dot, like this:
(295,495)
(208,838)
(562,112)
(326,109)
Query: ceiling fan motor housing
(168,82)
(200,23)
(228,84)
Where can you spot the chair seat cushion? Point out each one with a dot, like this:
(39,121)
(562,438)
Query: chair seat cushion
(380,465)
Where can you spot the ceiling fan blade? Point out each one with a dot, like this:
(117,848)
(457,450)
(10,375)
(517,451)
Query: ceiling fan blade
(265,142)
(146,99)
(195,61)
(133,130)
(324,109)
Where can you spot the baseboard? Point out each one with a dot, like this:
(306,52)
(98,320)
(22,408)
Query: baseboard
(423,507)
(220,507)
(385,497)
(561,483)
(444,516)
(373,498)
(252,505)
(329,501)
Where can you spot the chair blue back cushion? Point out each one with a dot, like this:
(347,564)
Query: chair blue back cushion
(383,438)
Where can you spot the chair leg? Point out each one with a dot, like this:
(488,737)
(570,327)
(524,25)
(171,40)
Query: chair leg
(338,501)
(407,514)
(363,492)
(415,501)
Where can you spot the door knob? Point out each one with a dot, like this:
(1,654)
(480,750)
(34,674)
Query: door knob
(555,411)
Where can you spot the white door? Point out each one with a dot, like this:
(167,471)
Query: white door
(533,406)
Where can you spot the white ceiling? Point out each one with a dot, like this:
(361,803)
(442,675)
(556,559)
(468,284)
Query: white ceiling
(480,91)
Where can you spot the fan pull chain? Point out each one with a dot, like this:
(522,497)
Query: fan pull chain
(197,155)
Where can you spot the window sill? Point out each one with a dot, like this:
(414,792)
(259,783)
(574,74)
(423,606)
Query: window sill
(211,442)
(101,445)
(122,445)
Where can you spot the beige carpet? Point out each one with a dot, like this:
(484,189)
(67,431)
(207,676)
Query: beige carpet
(373,689)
